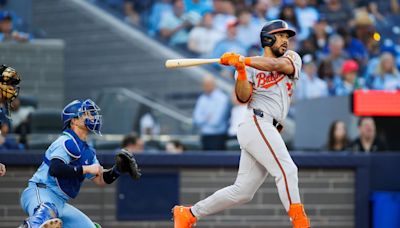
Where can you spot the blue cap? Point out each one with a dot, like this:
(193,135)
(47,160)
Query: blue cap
(5,15)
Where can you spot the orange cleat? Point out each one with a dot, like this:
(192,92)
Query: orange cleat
(183,218)
(298,216)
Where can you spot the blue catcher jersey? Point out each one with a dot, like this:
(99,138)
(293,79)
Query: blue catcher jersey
(70,149)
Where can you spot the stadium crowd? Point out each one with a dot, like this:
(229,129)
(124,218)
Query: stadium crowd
(345,45)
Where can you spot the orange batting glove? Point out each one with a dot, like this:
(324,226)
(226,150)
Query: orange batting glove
(229,58)
(241,69)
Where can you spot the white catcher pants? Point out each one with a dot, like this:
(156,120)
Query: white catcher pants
(263,152)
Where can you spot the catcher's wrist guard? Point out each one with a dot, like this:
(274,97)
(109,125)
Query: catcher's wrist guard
(111,175)
(126,163)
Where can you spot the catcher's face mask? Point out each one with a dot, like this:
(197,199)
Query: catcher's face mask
(92,118)
(85,110)
(9,89)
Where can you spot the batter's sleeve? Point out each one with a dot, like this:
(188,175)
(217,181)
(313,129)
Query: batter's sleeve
(296,62)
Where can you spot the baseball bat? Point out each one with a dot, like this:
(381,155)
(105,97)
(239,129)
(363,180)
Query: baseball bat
(177,63)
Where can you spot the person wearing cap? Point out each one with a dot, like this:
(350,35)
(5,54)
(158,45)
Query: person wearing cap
(7,32)
(349,80)
(310,85)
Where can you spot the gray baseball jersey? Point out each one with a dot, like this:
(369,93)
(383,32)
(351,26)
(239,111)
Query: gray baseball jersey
(272,91)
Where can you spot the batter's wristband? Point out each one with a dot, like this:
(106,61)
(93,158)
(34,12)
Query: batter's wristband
(247,61)
(242,75)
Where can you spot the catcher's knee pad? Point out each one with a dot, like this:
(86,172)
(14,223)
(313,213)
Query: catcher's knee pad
(44,216)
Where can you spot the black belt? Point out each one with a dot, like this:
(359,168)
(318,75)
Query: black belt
(276,124)
(41,185)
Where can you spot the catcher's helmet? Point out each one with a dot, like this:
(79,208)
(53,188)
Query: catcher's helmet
(77,108)
(275,26)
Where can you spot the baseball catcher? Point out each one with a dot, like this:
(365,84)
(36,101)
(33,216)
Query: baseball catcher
(66,164)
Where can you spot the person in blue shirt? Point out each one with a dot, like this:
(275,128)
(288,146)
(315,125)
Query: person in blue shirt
(66,163)
(8,32)
(210,115)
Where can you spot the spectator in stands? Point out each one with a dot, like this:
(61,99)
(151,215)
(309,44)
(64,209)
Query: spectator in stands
(337,138)
(146,123)
(326,73)
(307,17)
(337,13)
(321,32)
(260,12)
(289,15)
(274,9)
(131,13)
(354,47)
(224,12)
(174,27)
(364,29)
(157,11)
(336,52)
(386,75)
(7,33)
(174,147)
(211,115)
(132,143)
(21,120)
(8,142)
(230,43)
(203,38)
(367,140)
(248,33)
(20,116)
(310,85)
(237,115)
(197,6)
(350,80)
(2,170)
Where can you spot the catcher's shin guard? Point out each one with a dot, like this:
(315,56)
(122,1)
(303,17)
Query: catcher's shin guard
(298,216)
(45,216)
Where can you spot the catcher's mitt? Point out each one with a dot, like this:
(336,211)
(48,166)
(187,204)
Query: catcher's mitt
(126,163)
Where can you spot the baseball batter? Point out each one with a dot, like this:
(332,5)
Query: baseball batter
(266,83)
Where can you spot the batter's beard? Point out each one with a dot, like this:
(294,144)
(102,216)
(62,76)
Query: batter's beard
(276,52)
